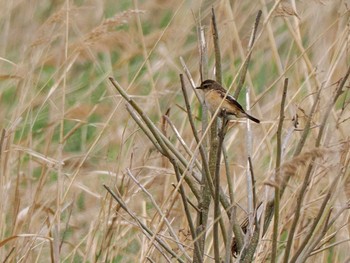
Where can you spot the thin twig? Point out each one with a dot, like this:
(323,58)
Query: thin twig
(197,250)
(142,225)
(205,167)
(253,186)
(218,72)
(164,143)
(278,164)
(331,246)
(144,128)
(250,191)
(164,147)
(2,139)
(302,140)
(317,240)
(237,242)
(246,62)
(188,200)
(228,175)
(180,139)
(339,91)
(189,77)
(8,255)
(153,201)
(299,202)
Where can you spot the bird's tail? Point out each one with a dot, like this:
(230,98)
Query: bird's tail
(252,118)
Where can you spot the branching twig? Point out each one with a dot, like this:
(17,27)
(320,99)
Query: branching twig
(142,225)
(161,139)
(171,230)
(180,139)
(144,128)
(205,170)
(205,167)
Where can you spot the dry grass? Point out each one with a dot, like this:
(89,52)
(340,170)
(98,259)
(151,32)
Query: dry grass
(66,132)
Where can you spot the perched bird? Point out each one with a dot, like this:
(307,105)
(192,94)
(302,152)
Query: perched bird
(214,93)
(285,8)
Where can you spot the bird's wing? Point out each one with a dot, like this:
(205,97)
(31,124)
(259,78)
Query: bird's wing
(232,100)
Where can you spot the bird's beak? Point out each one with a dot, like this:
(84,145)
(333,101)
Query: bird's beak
(199,87)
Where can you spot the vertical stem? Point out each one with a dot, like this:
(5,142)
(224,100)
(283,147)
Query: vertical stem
(197,252)
(249,180)
(205,198)
(217,213)
(277,174)
(218,73)
(216,144)
(217,205)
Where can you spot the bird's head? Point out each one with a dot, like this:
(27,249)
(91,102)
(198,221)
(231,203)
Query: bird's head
(207,85)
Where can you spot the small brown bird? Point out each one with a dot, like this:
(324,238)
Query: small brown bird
(285,8)
(214,93)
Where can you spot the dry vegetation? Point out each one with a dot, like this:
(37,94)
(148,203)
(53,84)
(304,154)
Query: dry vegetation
(65,131)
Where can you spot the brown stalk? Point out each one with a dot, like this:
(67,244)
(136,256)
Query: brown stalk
(247,61)
(216,143)
(206,187)
(278,164)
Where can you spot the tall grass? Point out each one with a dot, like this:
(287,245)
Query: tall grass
(66,131)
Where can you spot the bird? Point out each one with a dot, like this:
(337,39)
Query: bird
(285,8)
(214,94)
